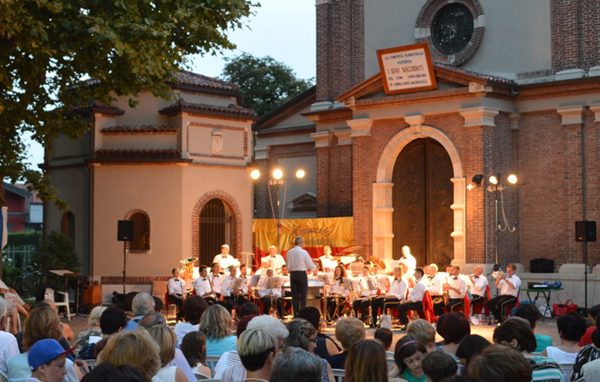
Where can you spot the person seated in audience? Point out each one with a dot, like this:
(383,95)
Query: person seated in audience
(571,328)
(295,364)
(93,330)
(8,343)
(366,362)
(14,306)
(438,366)
(326,346)
(47,360)
(423,332)
(500,363)
(269,296)
(531,313)
(348,331)
(193,347)
(593,312)
(408,357)
(174,366)
(415,298)
(435,286)
(303,335)
(337,293)
(257,349)
(202,286)
(135,348)
(516,333)
(141,304)
(234,289)
(368,289)
(41,323)
(478,284)
(508,285)
(386,336)
(456,288)
(396,294)
(215,323)
(193,308)
(453,327)
(230,361)
(112,321)
(67,332)
(247,309)
(111,373)
(470,346)
(587,354)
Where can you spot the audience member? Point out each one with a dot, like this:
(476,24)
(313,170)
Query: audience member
(107,372)
(47,359)
(257,349)
(499,363)
(570,329)
(348,331)
(193,308)
(587,354)
(453,327)
(142,304)
(193,347)
(326,346)
(408,355)
(516,333)
(230,360)
(531,313)
(247,309)
(469,347)
(93,330)
(386,336)
(297,365)
(593,312)
(8,342)
(215,324)
(303,335)
(366,362)
(438,365)
(112,321)
(423,332)
(134,348)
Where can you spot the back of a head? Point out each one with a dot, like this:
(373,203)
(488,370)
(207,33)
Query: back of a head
(312,315)
(107,372)
(95,314)
(112,320)
(193,347)
(297,365)
(348,331)
(142,304)
(529,312)
(248,308)
(422,330)
(193,308)
(215,323)
(366,362)
(254,347)
(135,348)
(156,325)
(42,322)
(438,365)
(453,327)
(516,328)
(499,363)
(571,327)
(470,346)
(270,324)
(301,333)
(594,311)
(385,335)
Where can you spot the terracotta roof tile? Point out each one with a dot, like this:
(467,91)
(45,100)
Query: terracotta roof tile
(143,129)
(229,111)
(98,107)
(141,155)
(188,78)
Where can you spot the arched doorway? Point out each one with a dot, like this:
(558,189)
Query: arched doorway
(217,226)
(422,199)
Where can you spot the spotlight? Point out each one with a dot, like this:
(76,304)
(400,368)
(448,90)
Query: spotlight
(255,174)
(277,174)
(471,186)
(512,179)
(493,180)
(300,173)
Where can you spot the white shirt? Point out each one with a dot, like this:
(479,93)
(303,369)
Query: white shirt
(298,259)
(398,289)
(176,286)
(410,262)
(8,349)
(417,293)
(228,368)
(276,262)
(478,285)
(506,289)
(229,283)
(202,286)
(457,283)
(183,328)
(434,285)
(338,288)
(226,261)
(217,281)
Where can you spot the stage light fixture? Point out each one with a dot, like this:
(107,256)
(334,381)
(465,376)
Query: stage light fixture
(512,179)
(255,174)
(300,173)
(277,174)
(493,179)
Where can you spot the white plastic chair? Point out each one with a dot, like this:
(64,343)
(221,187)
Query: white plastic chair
(339,374)
(49,295)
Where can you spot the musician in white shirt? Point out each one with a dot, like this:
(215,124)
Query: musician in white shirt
(397,293)
(415,298)
(269,296)
(225,259)
(408,259)
(176,290)
(368,289)
(456,287)
(337,292)
(478,285)
(274,260)
(216,279)
(202,286)
(234,289)
(508,286)
(435,286)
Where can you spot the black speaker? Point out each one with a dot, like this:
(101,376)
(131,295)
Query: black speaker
(125,230)
(541,265)
(585,230)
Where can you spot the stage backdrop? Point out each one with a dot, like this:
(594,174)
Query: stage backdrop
(338,233)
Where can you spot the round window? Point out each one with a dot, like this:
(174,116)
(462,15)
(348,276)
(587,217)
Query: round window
(452,28)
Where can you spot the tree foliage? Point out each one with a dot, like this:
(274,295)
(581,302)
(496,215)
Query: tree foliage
(264,82)
(47,47)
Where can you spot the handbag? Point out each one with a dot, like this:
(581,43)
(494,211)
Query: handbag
(563,309)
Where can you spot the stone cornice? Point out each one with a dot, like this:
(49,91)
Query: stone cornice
(415,120)
(344,136)
(479,116)
(571,115)
(595,108)
(360,127)
(322,138)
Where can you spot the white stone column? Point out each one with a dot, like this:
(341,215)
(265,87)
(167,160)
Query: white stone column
(460,220)
(383,232)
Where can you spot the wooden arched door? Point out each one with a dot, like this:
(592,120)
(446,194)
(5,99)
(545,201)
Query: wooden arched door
(217,227)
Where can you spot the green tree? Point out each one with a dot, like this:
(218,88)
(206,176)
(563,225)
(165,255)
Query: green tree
(264,82)
(47,47)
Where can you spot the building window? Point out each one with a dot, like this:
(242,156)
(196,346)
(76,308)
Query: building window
(141,232)
(67,225)
(452,28)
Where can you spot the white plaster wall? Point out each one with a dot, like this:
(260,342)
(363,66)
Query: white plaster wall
(139,141)
(517,33)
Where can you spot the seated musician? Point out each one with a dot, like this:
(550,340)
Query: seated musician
(396,294)
(478,285)
(234,289)
(268,290)
(368,289)
(435,286)
(285,279)
(203,287)
(508,287)
(176,290)
(216,279)
(274,260)
(415,298)
(337,292)
(327,260)
(457,289)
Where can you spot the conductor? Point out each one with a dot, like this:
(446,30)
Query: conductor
(299,262)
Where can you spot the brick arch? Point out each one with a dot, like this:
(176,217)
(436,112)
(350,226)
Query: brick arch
(128,216)
(231,203)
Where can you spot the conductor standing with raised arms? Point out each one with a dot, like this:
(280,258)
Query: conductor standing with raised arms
(299,262)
